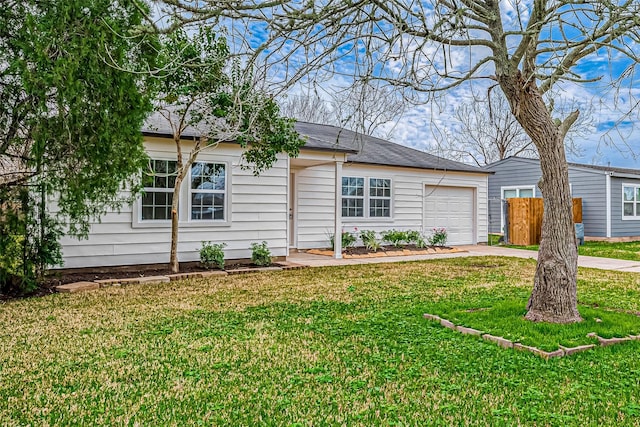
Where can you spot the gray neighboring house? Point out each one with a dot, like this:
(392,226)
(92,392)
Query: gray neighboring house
(610,195)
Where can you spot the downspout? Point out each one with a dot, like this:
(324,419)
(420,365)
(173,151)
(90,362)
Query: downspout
(337,233)
(608,202)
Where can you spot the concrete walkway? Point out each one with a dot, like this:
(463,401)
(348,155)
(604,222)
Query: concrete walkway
(469,250)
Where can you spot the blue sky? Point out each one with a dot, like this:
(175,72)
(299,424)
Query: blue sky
(610,139)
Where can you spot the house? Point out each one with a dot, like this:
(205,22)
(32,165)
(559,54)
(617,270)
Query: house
(340,180)
(610,195)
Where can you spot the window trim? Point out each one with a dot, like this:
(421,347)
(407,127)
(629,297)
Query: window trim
(367,200)
(154,222)
(370,197)
(363,197)
(635,202)
(517,188)
(190,192)
(136,208)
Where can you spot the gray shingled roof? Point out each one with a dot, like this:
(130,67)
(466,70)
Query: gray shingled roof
(156,124)
(614,170)
(374,151)
(360,148)
(608,168)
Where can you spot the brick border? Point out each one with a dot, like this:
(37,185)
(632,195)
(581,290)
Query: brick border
(505,343)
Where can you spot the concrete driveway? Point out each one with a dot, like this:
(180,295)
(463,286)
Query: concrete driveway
(469,250)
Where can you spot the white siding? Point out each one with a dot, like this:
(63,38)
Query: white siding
(315,210)
(316,195)
(256,211)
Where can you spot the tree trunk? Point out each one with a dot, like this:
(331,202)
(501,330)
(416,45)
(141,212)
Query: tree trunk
(554,296)
(173,258)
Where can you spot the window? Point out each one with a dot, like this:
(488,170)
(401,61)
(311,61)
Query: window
(511,192)
(352,197)
(379,198)
(207,191)
(158,190)
(371,196)
(630,201)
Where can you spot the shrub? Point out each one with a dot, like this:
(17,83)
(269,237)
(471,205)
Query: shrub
(212,255)
(396,237)
(29,241)
(438,237)
(369,240)
(260,254)
(416,238)
(348,240)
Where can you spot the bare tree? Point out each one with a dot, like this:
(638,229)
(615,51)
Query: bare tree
(307,107)
(361,108)
(365,107)
(424,48)
(485,131)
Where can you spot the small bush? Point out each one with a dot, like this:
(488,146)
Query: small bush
(260,254)
(369,240)
(416,238)
(348,240)
(395,237)
(438,237)
(212,255)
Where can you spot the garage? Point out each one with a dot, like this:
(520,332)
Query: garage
(451,208)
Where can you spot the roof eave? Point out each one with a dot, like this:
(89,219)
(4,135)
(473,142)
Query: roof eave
(622,175)
(479,171)
(150,133)
(166,135)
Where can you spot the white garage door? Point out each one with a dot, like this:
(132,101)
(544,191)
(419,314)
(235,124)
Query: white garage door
(453,209)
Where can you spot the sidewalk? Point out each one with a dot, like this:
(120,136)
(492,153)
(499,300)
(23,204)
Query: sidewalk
(470,250)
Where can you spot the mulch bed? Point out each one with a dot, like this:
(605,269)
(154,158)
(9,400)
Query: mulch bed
(63,276)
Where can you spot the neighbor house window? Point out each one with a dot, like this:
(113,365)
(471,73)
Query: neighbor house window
(512,192)
(207,191)
(158,186)
(630,201)
(379,198)
(366,197)
(352,197)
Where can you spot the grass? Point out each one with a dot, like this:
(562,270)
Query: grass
(617,250)
(494,239)
(330,346)
(505,318)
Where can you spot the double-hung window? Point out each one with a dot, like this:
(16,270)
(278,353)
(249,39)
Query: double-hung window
(352,197)
(379,198)
(158,190)
(366,197)
(207,191)
(630,201)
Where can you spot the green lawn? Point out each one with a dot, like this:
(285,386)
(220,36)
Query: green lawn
(619,250)
(330,346)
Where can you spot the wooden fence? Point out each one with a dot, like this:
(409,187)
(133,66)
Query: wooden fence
(524,219)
